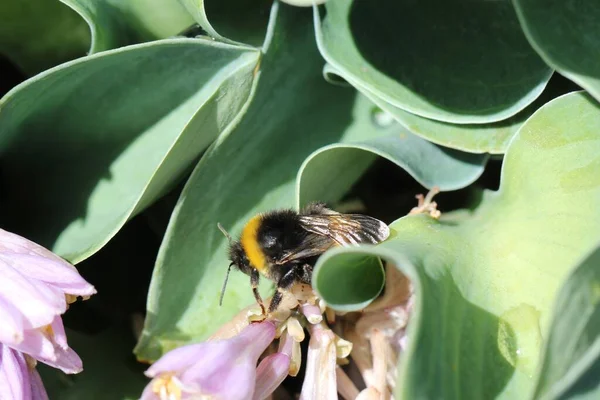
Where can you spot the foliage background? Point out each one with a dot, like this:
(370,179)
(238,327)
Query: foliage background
(129,129)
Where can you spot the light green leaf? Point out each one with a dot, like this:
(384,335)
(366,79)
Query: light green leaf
(429,164)
(566,35)
(90,143)
(490,138)
(247,24)
(351,281)
(37,34)
(110,370)
(573,346)
(115,23)
(451,61)
(486,283)
(252,169)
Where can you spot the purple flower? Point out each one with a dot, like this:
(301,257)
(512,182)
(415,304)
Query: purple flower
(220,369)
(19,379)
(36,287)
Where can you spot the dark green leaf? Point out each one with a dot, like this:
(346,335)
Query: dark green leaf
(566,36)
(453,61)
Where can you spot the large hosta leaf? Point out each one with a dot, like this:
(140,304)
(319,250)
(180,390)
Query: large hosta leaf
(38,34)
(115,23)
(486,282)
(566,35)
(430,164)
(572,357)
(452,61)
(237,21)
(90,143)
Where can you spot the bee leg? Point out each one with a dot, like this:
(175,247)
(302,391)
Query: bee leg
(305,274)
(254,278)
(285,282)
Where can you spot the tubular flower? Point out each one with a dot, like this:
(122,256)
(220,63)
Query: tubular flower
(36,287)
(220,369)
(224,367)
(19,379)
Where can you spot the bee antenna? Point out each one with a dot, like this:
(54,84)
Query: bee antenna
(225,285)
(227,235)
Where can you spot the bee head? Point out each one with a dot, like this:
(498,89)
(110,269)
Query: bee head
(238,258)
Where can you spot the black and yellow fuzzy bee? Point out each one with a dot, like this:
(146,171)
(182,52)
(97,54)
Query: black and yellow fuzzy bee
(284,245)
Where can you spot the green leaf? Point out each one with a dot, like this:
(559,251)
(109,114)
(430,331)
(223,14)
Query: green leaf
(565,34)
(429,164)
(247,24)
(351,280)
(115,23)
(486,282)
(573,346)
(490,138)
(36,35)
(452,61)
(111,133)
(110,370)
(252,169)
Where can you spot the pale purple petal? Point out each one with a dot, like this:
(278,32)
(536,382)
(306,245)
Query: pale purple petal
(37,302)
(59,274)
(37,345)
(270,373)
(59,335)
(38,391)
(312,313)
(11,242)
(66,360)
(14,376)
(184,357)
(223,368)
(235,383)
(51,348)
(11,326)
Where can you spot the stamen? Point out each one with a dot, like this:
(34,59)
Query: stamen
(47,331)
(31,362)
(71,298)
(295,329)
(167,387)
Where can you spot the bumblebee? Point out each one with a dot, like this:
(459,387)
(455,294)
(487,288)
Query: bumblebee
(284,245)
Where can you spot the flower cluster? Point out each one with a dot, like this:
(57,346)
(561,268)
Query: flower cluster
(36,288)
(225,366)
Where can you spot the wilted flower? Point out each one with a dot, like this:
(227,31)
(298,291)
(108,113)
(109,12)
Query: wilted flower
(320,381)
(220,369)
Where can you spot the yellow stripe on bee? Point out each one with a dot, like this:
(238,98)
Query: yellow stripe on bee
(251,246)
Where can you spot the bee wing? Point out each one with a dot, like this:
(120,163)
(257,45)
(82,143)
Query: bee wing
(346,229)
(328,230)
(312,245)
